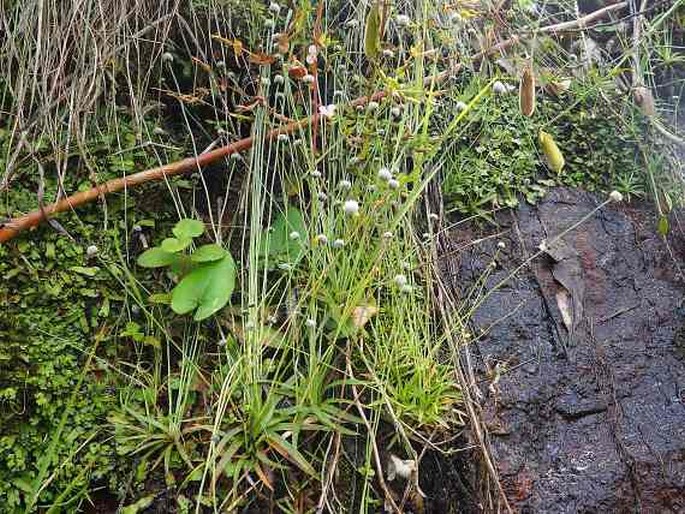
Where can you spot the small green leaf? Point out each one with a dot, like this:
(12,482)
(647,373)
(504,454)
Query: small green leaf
(208,253)
(156,258)
(188,229)
(173,245)
(663,226)
(206,288)
(87,271)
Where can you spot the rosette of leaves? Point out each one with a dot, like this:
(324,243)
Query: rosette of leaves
(207,274)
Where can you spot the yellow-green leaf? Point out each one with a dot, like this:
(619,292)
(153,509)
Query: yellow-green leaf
(555,159)
(372,32)
(662,226)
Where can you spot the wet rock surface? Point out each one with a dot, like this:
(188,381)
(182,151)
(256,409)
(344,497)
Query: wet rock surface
(582,357)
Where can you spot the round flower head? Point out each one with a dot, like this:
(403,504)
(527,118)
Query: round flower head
(400,280)
(501,245)
(92,251)
(434,217)
(402,20)
(312,50)
(500,88)
(283,138)
(167,57)
(311,59)
(345,184)
(274,8)
(294,235)
(395,112)
(372,106)
(308,78)
(388,53)
(351,207)
(322,239)
(235,156)
(388,235)
(316,174)
(393,184)
(461,106)
(327,111)
(384,174)
(615,196)
(338,243)
(279,79)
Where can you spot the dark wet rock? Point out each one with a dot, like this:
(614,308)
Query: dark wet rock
(587,416)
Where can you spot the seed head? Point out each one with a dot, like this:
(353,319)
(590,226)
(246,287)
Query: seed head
(351,207)
(384,174)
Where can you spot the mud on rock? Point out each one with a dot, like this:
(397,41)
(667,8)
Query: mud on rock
(582,361)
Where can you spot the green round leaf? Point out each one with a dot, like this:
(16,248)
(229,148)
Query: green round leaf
(155,258)
(173,245)
(208,253)
(188,228)
(207,288)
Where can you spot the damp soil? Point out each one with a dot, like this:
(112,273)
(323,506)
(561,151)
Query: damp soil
(581,356)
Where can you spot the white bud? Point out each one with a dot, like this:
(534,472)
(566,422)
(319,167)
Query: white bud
(372,106)
(351,207)
(308,78)
(393,183)
(294,235)
(316,174)
(274,8)
(338,243)
(322,239)
(434,217)
(400,280)
(311,59)
(499,88)
(402,20)
(92,251)
(167,57)
(615,196)
(283,138)
(384,174)
(345,184)
(388,235)
(312,50)
(279,79)
(396,112)
(501,245)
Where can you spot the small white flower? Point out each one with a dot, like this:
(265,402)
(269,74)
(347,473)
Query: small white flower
(345,184)
(221,65)
(351,207)
(308,78)
(388,235)
(274,8)
(322,196)
(388,53)
(272,320)
(279,79)
(338,243)
(400,280)
(402,20)
(283,138)
(310,323)
(372,106)
(167,57)
(393,183)
(327,111)
(434,217)
(322,239)
(316,174)
(297,142)
(461,106)
(384,174)
(395,112)
(235,156)
(501,245)
(311,59)
(294,235)
(615,196)
(312,50)
(426,235)
(92,251)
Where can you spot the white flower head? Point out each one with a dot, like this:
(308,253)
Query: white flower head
(322,239)
(400,280)
(311,59)
(615,196)
(310,323)
(283,138)
(501,245)
(345,185)
(501,88)
(396,112)
(312,50)
(294,235)
(338,243)
(327,111)
(433,216)
(167,57)
(384,174)
(393,183)
(308,78)
(351,207)
(274,8)
(461,106)
(388,235)
(92,251)
(388,53)
(372,106)
(316,174)
(402,20)
(279,79)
